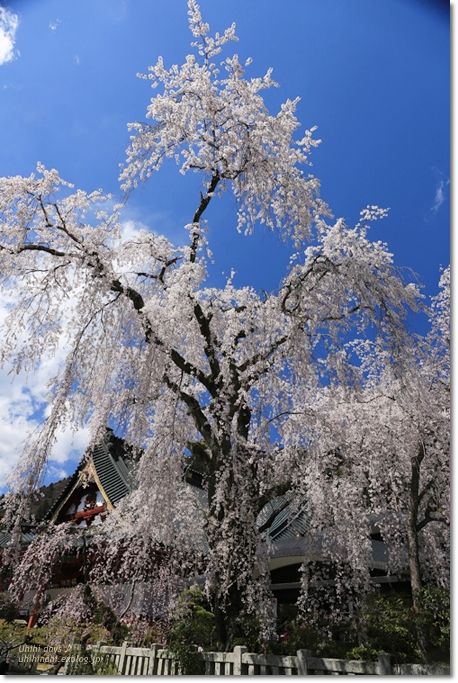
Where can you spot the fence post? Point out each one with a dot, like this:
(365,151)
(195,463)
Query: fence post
(152,660)
(122,657)
(33,668)
(302,655)
(239,651)
(69,666)
(385,667)
(95,653)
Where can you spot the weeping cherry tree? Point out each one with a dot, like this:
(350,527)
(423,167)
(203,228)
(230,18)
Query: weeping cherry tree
(181,367)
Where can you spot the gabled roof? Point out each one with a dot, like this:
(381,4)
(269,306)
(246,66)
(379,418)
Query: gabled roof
(65,493)
(111,463)
(114,469)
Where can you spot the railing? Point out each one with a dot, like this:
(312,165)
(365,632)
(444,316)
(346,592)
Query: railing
(129,661)
(240,662)
(155,661)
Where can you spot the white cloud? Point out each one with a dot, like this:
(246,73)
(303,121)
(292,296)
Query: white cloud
(23,408)
(440,195)
(14,425)
(441,190)
(69,446)
(54,24)
(12,86)
(77,59)
(23,404)
(131,229)
(160,222)
(8,27)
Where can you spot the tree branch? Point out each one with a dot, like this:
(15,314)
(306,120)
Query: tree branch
(195,410)
(209,347)
(432,516)
(262,356)
(35,247)
(204,202)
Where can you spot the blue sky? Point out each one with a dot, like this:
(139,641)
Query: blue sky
(373,75)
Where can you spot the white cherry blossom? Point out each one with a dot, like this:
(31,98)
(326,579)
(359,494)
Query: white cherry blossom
(185,368)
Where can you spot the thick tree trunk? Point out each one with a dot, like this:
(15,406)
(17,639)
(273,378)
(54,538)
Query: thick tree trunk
(230,530)
(226,619)
(228,583)
(412,544)
(412,535)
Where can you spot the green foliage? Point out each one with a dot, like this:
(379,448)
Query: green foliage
(106,617)
(197,622)
(8,607)
(389,623)
(248,628)
(382,623)
(91,663)
(13,637)
(104,667)
(188,660)
(323,635)
(13,634)
(193,627)
(435,618)
(153,634)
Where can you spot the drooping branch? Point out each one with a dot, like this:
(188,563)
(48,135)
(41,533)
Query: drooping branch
(321,266)
(151,336)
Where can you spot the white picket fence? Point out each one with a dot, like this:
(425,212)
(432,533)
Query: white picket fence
(155,661)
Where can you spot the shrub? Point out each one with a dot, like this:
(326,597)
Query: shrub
(8,607)
(193,627)
(382,623)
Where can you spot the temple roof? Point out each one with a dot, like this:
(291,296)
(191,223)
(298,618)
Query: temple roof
(114,464)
